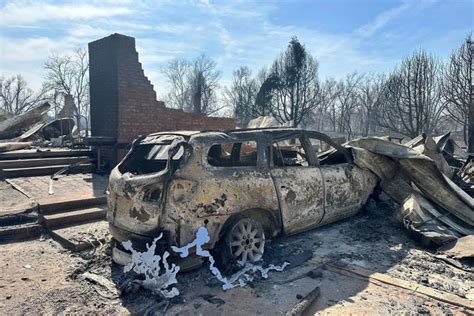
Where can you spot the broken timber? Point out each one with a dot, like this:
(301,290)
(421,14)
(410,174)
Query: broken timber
(303,305)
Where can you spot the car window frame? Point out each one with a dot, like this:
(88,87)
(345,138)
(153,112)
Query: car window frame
(312,161)
(328,140)
(261,157)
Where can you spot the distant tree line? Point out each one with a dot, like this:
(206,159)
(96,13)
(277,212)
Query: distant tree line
(421,94)
(65,75)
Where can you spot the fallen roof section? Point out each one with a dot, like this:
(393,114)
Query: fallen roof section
(432,205)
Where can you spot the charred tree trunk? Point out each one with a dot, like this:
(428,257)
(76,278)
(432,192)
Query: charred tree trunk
(470,145)
(198,95)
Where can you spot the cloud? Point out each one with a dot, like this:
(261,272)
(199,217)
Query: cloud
(234,33)
(26,56)
(15,51)
(383,19)
(20,13)
(88,31)
(174,28)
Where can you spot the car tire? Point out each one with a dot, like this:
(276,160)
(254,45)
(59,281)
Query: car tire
(245,241)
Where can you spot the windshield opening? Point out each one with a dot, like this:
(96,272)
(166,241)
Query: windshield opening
(150,158)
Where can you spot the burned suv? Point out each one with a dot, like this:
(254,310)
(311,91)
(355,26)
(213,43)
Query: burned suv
(243,185)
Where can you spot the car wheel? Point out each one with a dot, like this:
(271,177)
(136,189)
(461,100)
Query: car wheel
(245,241)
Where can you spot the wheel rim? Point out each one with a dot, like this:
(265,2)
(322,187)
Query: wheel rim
(246,241)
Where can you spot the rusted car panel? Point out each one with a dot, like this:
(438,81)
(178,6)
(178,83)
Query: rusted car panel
(202,194)
(215,198)
(301,195)
(346,190)
(176,182)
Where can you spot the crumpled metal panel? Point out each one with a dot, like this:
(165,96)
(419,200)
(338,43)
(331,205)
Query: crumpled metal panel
(419,169)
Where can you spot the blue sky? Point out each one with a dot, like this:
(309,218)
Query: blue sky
(344,36)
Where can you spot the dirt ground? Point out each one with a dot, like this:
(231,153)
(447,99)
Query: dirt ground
(9,197)
(40,277)
(74,184)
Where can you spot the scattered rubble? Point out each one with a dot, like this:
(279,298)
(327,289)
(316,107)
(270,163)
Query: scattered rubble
(35,129)
(12,126)
(465,176)
(370,240)
(432,206)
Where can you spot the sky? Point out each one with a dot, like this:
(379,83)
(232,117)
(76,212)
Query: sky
(367,36)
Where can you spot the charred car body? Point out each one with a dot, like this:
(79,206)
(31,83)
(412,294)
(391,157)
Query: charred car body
(243,185)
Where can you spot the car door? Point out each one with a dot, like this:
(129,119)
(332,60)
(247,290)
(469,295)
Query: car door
(343,181)
(299,185)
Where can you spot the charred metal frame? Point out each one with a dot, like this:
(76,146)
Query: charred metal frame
(198,193)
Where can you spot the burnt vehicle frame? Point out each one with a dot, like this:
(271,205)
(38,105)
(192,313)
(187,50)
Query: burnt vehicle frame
(242,192)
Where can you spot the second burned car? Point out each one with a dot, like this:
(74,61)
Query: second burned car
(244,186)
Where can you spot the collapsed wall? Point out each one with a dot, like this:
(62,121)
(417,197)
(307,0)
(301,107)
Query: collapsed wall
(123,101)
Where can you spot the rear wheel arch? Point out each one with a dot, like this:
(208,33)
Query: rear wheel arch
(237,246)
(271,223)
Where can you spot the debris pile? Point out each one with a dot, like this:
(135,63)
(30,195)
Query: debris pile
(36,128)
(465,176)
(10,127)
(418,177)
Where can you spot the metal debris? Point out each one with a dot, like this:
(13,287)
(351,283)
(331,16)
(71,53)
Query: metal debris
(148,264)
(9,146)
(432,205)
(240,278)
(104,282)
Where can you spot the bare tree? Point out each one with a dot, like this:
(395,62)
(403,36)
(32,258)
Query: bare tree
(241,94)
(411,98)
(347,100)
(16,97)
(194,85)
(177,71)
(369,97)
(68,75)
(326,111)
(458,89)
(298,90)
(203,82)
